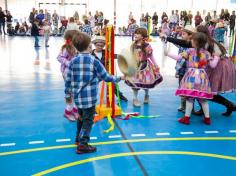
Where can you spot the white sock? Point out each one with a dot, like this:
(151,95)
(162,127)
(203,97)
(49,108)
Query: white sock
(74,106)
(189,107)
(205,107)
(69,107)
(135,94)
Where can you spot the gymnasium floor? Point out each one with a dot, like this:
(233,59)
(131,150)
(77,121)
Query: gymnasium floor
(35,138)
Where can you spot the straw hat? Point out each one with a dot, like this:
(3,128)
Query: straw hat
(213,20)
(127,62)
(189,28)
(220,25)
(99,39)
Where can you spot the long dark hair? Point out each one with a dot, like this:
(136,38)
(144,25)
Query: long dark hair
(143,33)
(211,41)
(200,40)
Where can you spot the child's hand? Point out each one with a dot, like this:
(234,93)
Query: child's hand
(162,36)
(184,55)
(122,78)
(166,50)
(68,99)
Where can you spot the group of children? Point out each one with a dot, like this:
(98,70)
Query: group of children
(83,68)
(204,72)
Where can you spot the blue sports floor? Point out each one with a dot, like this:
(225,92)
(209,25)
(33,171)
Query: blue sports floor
(35,138)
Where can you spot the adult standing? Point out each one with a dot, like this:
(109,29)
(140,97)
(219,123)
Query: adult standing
(232,19)
(208,18)
(2,21)
(226,20)
(155,19)
(91,20)
(222,14)
(9,22)
(198,19)
(164,17)
(173,20)
(32,16)
(190,17)
(48,16)
(55,19)
(215,16)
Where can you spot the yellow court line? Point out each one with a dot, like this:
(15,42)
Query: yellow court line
(64,166)
(122,141)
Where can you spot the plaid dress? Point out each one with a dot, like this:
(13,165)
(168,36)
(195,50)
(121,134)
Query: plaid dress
(195,82)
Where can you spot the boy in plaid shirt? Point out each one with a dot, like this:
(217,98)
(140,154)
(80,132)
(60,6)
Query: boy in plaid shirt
(85,73)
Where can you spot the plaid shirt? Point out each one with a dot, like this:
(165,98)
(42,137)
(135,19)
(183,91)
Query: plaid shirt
(83,78)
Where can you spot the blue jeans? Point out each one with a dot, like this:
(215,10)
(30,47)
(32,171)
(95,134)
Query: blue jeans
(36,42)
(2,26)
(84,127)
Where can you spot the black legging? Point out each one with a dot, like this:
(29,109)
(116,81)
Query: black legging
(222,100)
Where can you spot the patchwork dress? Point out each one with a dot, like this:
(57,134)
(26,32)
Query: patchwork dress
(195,82)
(148,74)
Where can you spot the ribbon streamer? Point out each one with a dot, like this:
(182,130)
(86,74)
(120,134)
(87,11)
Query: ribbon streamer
(110,121)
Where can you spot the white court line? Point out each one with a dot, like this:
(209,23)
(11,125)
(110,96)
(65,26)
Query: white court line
(187,132)
(138,135)
(162,134)
(93,138)
(114,136)
(7,144)
(232,131)
(36,142)
(211,132)
(63,140)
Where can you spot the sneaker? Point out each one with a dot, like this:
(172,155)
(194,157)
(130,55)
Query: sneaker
(136,103)
(85,149)
(198,113)
(77,141)
(184,120)
(207,121)
(181,109)
(146,99)
(69,115)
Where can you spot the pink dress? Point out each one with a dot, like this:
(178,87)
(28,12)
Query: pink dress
(148,74)
(64,58)
(195,82)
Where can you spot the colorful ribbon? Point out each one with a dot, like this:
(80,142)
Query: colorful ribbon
(110,121)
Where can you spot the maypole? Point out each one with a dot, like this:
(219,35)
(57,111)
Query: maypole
(109,108)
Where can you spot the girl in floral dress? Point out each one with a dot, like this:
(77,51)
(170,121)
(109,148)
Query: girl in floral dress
(195,83)
(147,75)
